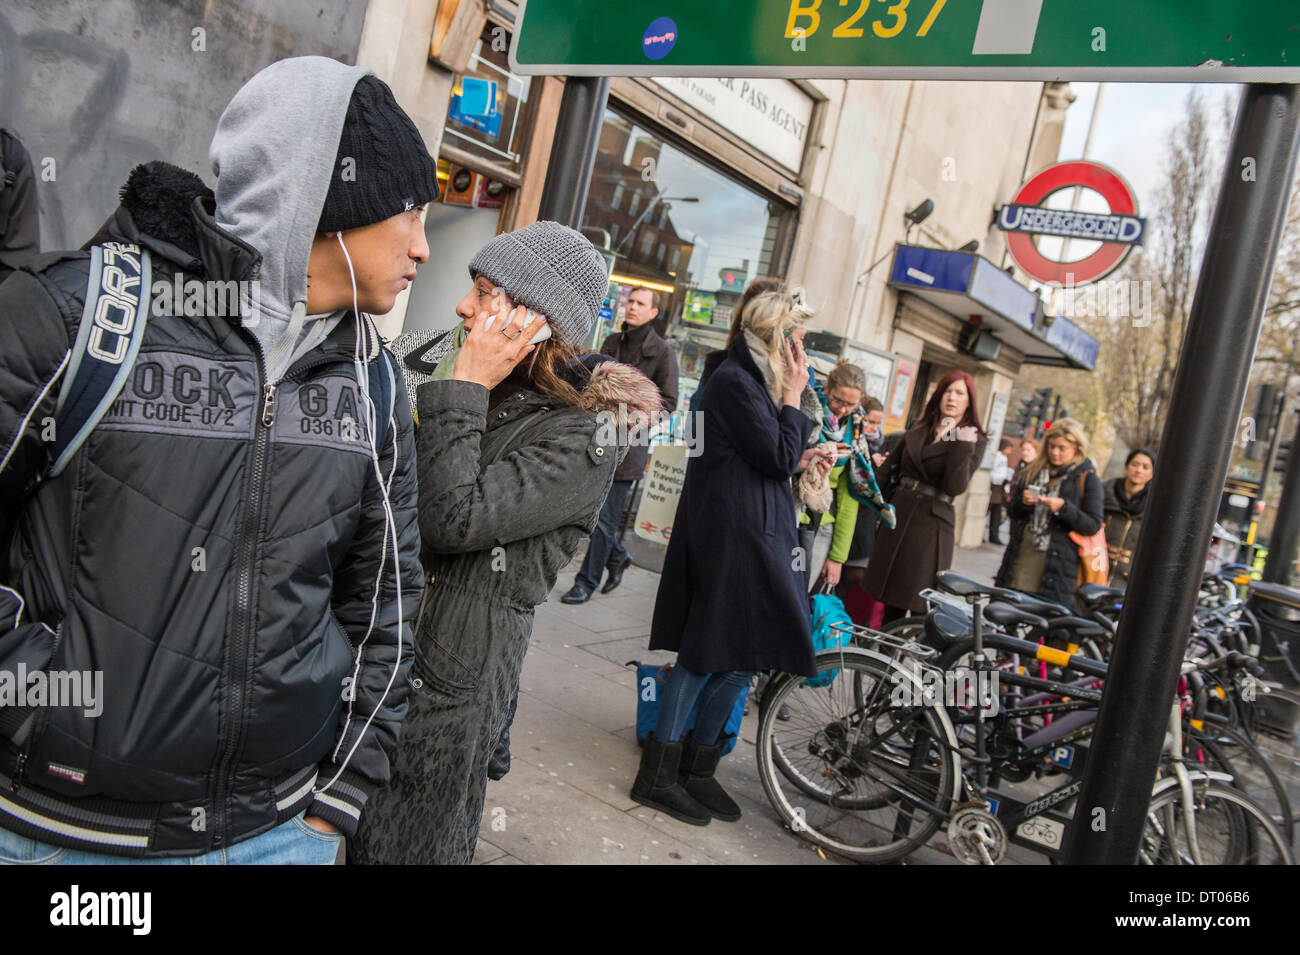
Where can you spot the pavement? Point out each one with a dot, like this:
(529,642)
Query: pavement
(565,800)
(574,750)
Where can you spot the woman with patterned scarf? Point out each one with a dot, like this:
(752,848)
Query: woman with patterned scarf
(851,480)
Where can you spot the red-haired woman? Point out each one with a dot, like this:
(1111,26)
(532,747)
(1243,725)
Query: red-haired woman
(936,459)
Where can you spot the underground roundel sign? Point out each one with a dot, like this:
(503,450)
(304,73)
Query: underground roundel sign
(1117,231)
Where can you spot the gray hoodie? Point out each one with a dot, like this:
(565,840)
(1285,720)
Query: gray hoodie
(273,155)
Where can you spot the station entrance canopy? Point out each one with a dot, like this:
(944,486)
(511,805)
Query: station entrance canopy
(964,284)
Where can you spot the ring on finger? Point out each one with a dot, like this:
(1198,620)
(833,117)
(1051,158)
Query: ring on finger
(514,336)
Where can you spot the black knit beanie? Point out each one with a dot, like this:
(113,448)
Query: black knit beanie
(390,170)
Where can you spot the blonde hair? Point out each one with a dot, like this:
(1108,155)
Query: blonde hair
(1067,428)
(769,316)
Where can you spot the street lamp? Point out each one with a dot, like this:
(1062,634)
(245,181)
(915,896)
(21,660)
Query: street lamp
(641,218)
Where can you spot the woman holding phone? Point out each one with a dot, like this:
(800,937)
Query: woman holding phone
(1057,493)
(730,600)
(513,467)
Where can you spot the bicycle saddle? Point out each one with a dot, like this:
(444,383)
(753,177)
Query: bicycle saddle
(1097,596)
(1076,629)
(943,627)
(961,586)
(1010,617)
(1044,608)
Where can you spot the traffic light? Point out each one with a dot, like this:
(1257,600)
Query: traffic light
(1025,414)
(1283,451)
(1033,409)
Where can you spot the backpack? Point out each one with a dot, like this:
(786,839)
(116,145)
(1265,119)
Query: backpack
(112,327)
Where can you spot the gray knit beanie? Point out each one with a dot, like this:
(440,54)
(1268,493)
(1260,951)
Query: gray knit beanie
(551,269)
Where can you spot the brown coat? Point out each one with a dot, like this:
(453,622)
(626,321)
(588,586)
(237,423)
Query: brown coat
(906,558)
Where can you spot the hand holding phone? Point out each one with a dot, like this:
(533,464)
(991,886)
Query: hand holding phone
(542,334)
(490,353)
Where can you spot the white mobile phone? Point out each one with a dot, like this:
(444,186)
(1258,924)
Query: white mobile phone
(541,336)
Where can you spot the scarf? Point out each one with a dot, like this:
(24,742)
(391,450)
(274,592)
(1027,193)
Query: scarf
(1040,521)
(832,428)
(1132,506)
(808,402)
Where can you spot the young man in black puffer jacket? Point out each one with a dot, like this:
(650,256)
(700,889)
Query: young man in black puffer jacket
(233,553)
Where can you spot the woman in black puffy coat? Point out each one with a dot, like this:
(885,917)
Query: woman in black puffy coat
(1066,496)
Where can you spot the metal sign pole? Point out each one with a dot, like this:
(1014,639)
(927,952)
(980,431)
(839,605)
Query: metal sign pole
(1209,388)
(573,154)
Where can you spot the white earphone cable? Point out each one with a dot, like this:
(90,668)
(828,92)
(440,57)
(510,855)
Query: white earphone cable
(361,350)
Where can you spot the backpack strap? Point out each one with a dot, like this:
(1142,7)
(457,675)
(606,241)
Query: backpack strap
(112,327)
(382,388)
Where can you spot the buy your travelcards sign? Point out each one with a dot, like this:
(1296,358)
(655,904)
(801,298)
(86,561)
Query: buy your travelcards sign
(1225,41)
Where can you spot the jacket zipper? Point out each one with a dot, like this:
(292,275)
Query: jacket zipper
(237,662)
(240,642)
(38,725)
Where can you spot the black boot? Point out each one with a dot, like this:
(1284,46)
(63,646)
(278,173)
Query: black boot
(699,763)
(657,786)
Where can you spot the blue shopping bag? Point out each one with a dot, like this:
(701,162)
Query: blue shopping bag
(827,609)
(650,679)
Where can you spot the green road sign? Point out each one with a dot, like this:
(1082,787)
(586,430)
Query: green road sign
(1225,41)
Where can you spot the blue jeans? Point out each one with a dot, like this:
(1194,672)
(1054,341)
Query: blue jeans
(604,549)
(717,693)
(290,843)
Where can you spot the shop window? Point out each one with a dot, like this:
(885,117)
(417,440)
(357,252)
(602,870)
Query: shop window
(694,233)
(485,117)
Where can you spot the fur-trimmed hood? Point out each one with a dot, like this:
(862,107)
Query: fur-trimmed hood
(606,385)
(621,389)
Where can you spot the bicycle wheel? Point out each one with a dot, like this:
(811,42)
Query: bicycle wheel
(911,627)
(1229,750)
(870,779)
(1226,827)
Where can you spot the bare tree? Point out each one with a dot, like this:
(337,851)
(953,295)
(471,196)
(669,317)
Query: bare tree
(1130,387)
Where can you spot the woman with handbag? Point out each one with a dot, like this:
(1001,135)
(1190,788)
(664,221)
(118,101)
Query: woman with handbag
(934,463)
(730,600)
(1055,504)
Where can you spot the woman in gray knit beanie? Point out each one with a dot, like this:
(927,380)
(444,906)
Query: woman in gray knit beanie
(513,465)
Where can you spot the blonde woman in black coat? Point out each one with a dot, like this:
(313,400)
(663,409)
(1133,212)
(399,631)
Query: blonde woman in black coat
(730,601)
(1056,494)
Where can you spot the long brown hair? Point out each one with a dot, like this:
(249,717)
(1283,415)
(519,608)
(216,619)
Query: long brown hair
(971,418)
(545,369)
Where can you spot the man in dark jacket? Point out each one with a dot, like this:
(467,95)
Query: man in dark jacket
(637,345)
(235,549)
(20,228)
